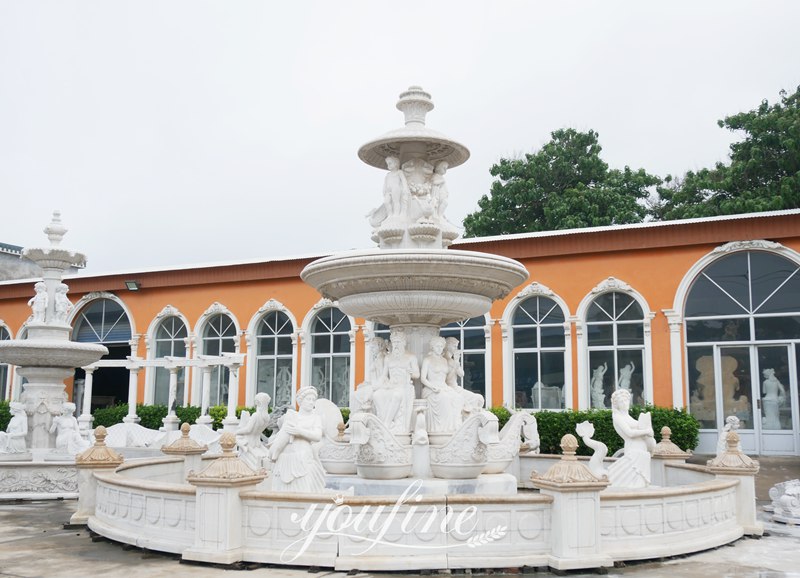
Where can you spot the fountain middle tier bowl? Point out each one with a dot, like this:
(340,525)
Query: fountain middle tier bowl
(410,286)
(50,353)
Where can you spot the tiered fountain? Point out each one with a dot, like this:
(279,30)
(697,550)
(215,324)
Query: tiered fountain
(415,285)
(45,359)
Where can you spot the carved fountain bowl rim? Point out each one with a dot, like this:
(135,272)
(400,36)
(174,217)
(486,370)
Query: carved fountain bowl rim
(376,270)
(49,353)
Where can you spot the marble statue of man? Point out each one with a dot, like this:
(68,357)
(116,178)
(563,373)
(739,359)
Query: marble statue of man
(392,397)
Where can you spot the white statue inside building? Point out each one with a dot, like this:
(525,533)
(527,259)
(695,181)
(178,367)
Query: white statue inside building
(774,396)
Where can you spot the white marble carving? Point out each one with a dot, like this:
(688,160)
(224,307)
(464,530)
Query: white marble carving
(625,374)
(379,455)
(598,392)
(297,467)
(62,305)
(445,403)
(466,454)
(393,395)
(500,455)
(67,430)
(38,303)
(12,441)
(585,431)
(249,433)
(632,470)
(731,424)
(774,396)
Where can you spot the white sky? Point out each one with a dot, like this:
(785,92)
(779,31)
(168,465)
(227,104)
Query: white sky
(176,132)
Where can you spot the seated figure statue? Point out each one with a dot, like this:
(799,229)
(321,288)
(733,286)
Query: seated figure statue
(362,399)
(473,402)
(68,437)
(632,470)
(393,395)
(12,441)
(445,402)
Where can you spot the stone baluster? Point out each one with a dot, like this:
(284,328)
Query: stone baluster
(133,391)
(575,511)
(97,457)
(734,464)
(171,421)
(85,420)
(205,396)
(218,537)
(230,423)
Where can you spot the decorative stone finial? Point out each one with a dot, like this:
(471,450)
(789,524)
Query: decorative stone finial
(55,231)
(569,473)
(99,455)
(228,469)
(341,427)
(733,460)
(184,445)
(415,103)
(666,448)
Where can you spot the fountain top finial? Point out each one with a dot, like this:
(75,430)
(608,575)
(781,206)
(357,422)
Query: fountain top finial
(415,103)
(55,231)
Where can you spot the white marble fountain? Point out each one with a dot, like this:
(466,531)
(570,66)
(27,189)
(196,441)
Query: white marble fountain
(38,460)
(420,478)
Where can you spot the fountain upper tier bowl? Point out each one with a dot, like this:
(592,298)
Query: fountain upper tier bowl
(419,286)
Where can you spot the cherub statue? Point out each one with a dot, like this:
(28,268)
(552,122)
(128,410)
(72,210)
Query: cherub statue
(38,303)
(439,189)
(732,423)
(63,306)
(395,194)
(248,435)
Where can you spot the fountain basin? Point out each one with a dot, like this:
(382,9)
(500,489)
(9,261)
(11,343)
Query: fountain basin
(50,353)
(428,286)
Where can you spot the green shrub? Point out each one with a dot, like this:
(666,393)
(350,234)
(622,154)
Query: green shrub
(5,415)
(108,416)
(188,414)
(151,416)
(502,413)
(345,413)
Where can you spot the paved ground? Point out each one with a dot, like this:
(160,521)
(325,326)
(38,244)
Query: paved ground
(33,544)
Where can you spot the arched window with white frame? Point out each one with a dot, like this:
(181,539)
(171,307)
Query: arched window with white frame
(169,339)
(219,336)
(537,350)
(616,341)
(272,346)
(329,340)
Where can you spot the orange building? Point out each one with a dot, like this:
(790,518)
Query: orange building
(703,314)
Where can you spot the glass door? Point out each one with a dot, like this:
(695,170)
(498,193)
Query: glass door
(735,390)
(777,399)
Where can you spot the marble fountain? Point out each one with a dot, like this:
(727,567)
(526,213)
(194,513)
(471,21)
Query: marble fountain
(420,478)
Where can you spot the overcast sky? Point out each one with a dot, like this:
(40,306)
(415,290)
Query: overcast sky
(177,132)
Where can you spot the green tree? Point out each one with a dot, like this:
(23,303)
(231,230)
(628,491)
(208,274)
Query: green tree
(564,185)
(763,173)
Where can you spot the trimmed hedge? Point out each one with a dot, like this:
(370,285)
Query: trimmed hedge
(5,415)
(152,416)
(554,424)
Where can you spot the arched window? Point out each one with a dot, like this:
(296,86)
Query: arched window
(471,336)
(103,321)
(742,315)
(615,341)
(219,336)
(5,371)
(170,341)
(330,355)
(274,357)
(539,346)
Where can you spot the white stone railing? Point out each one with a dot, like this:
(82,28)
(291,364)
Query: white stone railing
(206,364)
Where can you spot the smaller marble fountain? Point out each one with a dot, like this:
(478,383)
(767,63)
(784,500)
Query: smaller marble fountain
(45,359)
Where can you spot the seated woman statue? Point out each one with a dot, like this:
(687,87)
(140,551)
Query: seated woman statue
(473,402)
(12,441)
(65,426)
(248,435)
(445,403)
(297,468)
(632,470)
